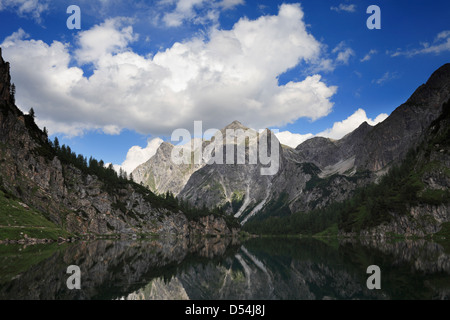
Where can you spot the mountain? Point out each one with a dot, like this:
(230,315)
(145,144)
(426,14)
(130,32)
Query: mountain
(316,174)
(160,175)
(412,199)
(234,186)
(58,190)
(48,186)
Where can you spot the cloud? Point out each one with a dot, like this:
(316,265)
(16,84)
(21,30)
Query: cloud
(340,55)
(137,155)
(230,72)
(26,8)
(16,36)
(344,7)
(230,4)
(344,56)
(104,40)
(184,10)
(196,11)
(336,132)
(340,129)
(369,55)
(441,43)
(292,139)
(387,76)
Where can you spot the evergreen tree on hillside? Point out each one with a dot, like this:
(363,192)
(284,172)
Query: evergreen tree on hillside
(31,113)
(56,144)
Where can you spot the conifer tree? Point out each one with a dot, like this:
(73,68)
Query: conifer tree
(31,113)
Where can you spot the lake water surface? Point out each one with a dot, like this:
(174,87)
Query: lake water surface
(267,269)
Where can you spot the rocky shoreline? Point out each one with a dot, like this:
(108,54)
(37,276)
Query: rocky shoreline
(205,227)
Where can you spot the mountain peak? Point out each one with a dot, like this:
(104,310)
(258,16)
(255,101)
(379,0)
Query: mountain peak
(359,132)
(435,91)
(443,73)
(236,125)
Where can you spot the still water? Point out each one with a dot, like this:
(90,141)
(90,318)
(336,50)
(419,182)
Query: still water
(288,269)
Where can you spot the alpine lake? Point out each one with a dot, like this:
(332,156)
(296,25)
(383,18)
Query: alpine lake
(227,269)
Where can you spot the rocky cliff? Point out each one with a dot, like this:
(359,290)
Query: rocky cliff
(161,175)
(74,199)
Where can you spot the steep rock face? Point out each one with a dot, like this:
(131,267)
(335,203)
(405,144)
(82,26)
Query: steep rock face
(71,199)
(391,139)
(5,80)
(325,152)
(76,201)
(239,187)
(208,183)
(160,174)
(245,192)
(320,151)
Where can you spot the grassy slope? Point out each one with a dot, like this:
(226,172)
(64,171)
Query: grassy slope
(18,221)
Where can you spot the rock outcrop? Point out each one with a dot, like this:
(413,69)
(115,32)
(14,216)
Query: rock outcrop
(5,80)
(160,174)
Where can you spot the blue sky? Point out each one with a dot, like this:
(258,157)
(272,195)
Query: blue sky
(137,70)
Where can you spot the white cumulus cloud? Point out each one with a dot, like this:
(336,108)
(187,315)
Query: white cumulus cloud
(104,40)
(292,139)
(217,78)
(336,132)
(138,155)
(340,129)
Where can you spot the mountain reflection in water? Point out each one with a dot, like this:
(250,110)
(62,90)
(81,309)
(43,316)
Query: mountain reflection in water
(222,268)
